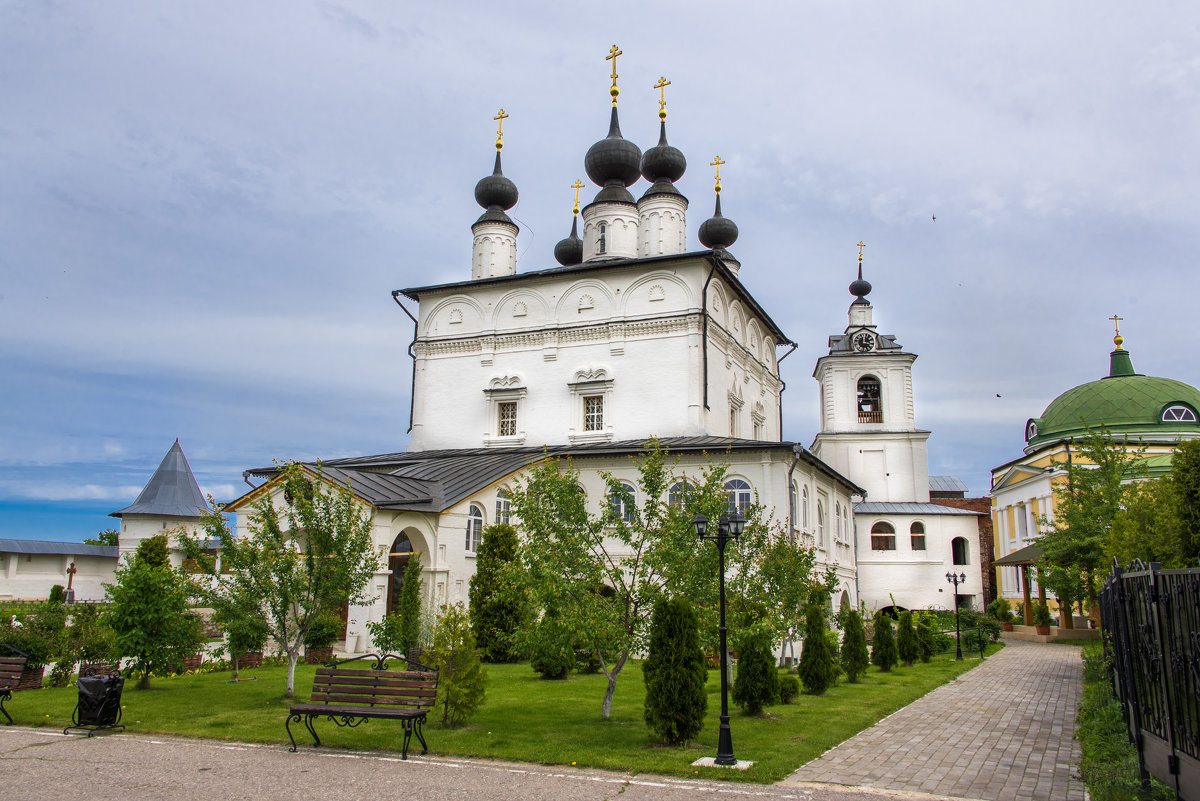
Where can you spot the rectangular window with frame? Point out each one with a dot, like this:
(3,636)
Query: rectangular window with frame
(593,413)
(506,422)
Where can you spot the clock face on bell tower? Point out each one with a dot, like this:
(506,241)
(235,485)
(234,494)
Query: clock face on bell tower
(864,342)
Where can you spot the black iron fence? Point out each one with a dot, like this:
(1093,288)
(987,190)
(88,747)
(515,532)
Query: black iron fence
(1151,625)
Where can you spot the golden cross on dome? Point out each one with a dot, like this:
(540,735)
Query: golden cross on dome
(1118,339)
(661,86)
(861,245)
(500,118)
(717,162)
(612,56)
(577,186)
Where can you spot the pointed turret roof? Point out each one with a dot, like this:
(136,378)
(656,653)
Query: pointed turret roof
(171,492)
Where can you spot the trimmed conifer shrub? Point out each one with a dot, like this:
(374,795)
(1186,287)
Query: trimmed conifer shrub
(925,640)
(756,684)
(410,606)
(906,640)
(816,661)
(675,673)
(497,608)
(883,646)
(789,688)
(549,643)
(854,647)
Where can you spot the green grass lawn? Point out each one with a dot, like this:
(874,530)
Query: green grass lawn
(524,718)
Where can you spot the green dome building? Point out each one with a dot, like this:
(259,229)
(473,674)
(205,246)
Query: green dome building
(1151,415)
(1125,402)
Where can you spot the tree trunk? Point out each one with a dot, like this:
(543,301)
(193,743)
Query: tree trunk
(293,658)
(606,707)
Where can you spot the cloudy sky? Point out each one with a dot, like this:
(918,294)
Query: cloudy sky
(205,205)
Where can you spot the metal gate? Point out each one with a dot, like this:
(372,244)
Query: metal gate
(1151,622)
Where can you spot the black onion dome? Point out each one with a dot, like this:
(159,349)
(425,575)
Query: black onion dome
(860,288)
(495,192)
(613,160)
(570,250)
(663,165)
(717,232)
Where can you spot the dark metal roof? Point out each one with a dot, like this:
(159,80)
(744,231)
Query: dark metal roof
(433,481)
(171,492)
(1029,555)
(946,484)
(884,508)
(57,548)
(743,294)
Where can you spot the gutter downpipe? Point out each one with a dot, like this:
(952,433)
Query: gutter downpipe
(796,450)
(412,394)
(782,387)
(704,325)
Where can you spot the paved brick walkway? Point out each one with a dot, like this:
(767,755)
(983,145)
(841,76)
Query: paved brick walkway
(1002,732)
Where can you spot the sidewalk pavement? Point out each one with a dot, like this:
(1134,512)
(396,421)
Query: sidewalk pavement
(44,765)
(1003,731)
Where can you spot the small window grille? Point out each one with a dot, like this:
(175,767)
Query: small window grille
(507,423)
(593,413)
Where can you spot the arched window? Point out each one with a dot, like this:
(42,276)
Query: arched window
(916,533)
(620,503)
(474,528)
(837,522)
(601,245)
(883,537)
(738,492)
(804,508)
(820,524)
(792,506)
(677,495)
(503,513)
(846,524)
(960,551)
(870,405)
(1178,413)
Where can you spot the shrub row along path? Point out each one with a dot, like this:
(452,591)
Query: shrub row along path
(43,765)
(1003,732)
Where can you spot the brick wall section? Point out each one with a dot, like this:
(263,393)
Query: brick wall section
(986,546)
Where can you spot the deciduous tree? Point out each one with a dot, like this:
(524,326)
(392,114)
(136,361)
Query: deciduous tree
(302,559)
(150,612)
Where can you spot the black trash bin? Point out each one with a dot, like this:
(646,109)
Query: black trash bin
(99,706)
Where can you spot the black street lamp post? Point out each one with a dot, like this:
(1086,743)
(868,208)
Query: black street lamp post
(729,527)
(960,578)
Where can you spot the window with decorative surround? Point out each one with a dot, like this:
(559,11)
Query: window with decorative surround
(505,397)
(591,403)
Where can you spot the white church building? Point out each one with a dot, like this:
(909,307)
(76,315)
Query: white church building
(633,336)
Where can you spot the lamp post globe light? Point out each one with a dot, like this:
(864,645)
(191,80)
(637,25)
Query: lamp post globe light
(957,579)
(728,527)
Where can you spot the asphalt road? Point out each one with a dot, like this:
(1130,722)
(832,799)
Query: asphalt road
(41,765)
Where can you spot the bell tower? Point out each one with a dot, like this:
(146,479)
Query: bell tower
(868,425)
